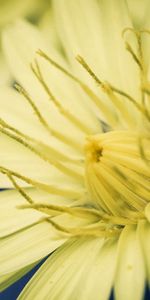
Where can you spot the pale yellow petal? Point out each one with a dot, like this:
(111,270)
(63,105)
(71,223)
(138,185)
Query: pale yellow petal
(48,29)
(27,247)
(100,41)
(144,236)
(5,77)
(13,218)
(101,273)
(9,199)
(17,45)
(16,111)
(20,159)
(81,269)
(130,272)
(139,11)
(101,44)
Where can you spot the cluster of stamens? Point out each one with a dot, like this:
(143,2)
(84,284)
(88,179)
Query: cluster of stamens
(115,167)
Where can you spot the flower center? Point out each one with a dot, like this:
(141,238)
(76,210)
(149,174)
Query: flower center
(116,175)
(94,149)
(116,165)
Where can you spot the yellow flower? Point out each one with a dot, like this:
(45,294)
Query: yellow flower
(75,145)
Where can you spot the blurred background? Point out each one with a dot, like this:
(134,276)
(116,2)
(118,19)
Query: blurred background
(35,11)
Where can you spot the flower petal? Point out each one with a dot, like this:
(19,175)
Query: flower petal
(97,37)
(130,272)
(139,12)
(16,44)
(27,247)
(17,112)
(144,236)
(5,77)
(14,219)
(20,159)
(14,153)
(81,269)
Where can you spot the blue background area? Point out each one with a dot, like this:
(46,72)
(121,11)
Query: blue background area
(14,290)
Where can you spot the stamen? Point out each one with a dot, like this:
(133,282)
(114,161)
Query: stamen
(18,132)
(46,187)
(41,146)
(109,89)
(140,61)
(95,230)
(19,189)
(53,132)
(77,212)
(116,161)
(81,212)
(129,48)
(103,107)
(74,211)
(24,93)
(77,122)
(89,70)
(132,100)
(61,167)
